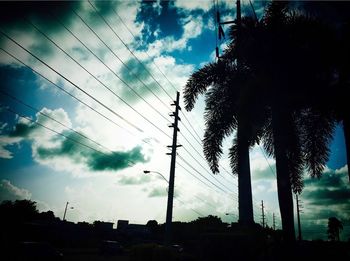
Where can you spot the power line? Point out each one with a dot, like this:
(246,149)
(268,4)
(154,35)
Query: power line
(68,93)
(128,29)
(145,68)
(195,211)
(201,157)
(109,68)
(54,84)
(133,55)
(53,119)
(189,153)
(126,66)
(273,172)
(104,85)
(61,75)
(201,174)
(52,130)
(149,72)
(193,175)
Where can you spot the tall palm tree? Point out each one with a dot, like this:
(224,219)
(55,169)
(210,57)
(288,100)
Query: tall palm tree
(280,45)
(293,54)
(225,107)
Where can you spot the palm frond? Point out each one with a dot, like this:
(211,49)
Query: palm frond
(199,82)
(295,155)
(233,156)
(220,120)
(317,129)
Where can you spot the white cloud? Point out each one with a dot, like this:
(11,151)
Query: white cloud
(156,5)
(190,5)
(8,191)
(4,142)
(192,28)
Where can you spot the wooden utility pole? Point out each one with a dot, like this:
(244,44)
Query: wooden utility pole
(65,211)
(262,213)
(169,212)
(298,215)
(273,221)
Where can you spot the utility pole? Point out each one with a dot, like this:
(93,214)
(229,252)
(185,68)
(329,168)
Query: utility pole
(273,221)
(239,25)
(262,213)
(65,211)
(169,212)
(219,29)
(298,215)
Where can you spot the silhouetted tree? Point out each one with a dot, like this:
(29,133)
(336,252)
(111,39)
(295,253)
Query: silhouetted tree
(285,58)
(225,111)
(334,228)
(153,226)
(336,97)
(208,224)
(18,211)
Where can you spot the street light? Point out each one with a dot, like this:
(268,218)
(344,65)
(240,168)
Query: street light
(169,209)
(160,174)
(65,211)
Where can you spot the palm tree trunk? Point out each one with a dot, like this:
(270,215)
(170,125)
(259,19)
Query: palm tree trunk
(285,196)
(346,126)
(245,201)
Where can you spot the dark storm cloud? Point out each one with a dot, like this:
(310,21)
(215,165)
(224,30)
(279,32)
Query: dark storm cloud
(14,12)
(328,196)
(329,179)
(322,198)
(330,189)
(24,16)
(23,130)
(95,160)
(116,160)
(70,146)
(76,147)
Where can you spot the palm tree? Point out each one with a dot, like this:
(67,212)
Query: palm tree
(225,107)
(280,45)
(292,53)
(334,228)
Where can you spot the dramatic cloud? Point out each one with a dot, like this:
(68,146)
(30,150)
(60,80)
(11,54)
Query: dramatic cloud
(190,5)
(326,197)
(8,191)
(13,13)
(93,158)
(63,143)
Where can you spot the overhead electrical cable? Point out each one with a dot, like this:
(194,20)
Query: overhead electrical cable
(111,70)
(132,53)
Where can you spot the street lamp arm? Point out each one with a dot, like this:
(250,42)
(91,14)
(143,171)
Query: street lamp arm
(160,174)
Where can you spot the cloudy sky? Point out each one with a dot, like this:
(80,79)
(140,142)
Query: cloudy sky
(86,92)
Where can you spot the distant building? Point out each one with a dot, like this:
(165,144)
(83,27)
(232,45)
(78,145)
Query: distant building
(122,224)
(103,226)
(133,230)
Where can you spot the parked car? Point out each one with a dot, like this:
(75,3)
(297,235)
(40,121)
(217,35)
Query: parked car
(38,251)
(109,247)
